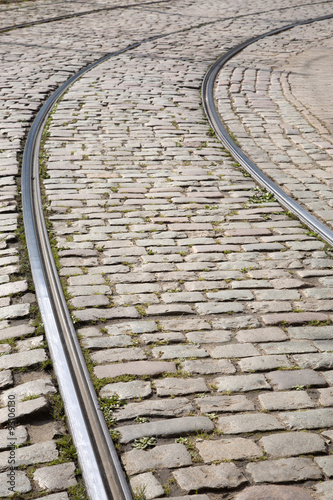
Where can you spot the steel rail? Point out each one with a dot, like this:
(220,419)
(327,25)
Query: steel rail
(213,116)
(102,471)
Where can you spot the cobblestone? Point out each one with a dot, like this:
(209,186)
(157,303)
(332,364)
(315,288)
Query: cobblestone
(273,492)
(250,422)
(292,444)
(172,427)
(56,477)
(228,449)
(295,378)
(161,457)
(279,471)
(212,476)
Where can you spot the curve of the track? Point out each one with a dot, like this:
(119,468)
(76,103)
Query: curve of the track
(55,307)
(209,105)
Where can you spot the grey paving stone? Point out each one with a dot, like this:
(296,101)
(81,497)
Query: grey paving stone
(6,379)
(307,419)
(209,366)
(233,351)
(315,361)
(90,331)
(21,484)
(134,368)
(86,279)
(263,363)
(146,484)
(20,434)
(236,323)
(141,326)
(105,342)
(311,332)
(290,347)
(228,449)
(169,309)
(290,379)
(152,338)
(5,349)
(30,343)
(113,355)
(30,407)
(328,376)
(323,345)
(250,422)
(288,400)
(14,311)
(127,390)
(182,324)
(13,287)
(326,396)
(92,314)
(270,306)
(292,444)
(218,308)
(276,295)
(253,284)
(230,295)
(34,388)
(161,457)
(176,386)
(163,428)
(170,298)
(90,301)
(21,359)
(239,383)
(155,408)
(16,331)
(209,337)
(212,404)
(287,283)
(193,479)
(273,492)
(294,318)
(324,490)
(285,469)
(326,463)
(178,351)
(56,477)
(36,453)
(270,334)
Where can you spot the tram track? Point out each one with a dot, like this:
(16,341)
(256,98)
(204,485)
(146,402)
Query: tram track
(59,328)
(211,111)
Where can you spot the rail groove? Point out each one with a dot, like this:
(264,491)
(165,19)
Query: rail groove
(209,106)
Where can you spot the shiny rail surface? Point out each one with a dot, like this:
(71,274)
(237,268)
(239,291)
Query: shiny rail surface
(209,106)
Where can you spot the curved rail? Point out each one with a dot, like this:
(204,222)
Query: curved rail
(215,121)
(98,459)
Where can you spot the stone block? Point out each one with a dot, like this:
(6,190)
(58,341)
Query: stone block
(161,457)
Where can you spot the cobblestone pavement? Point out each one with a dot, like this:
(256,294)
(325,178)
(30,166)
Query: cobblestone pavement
(202,304)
